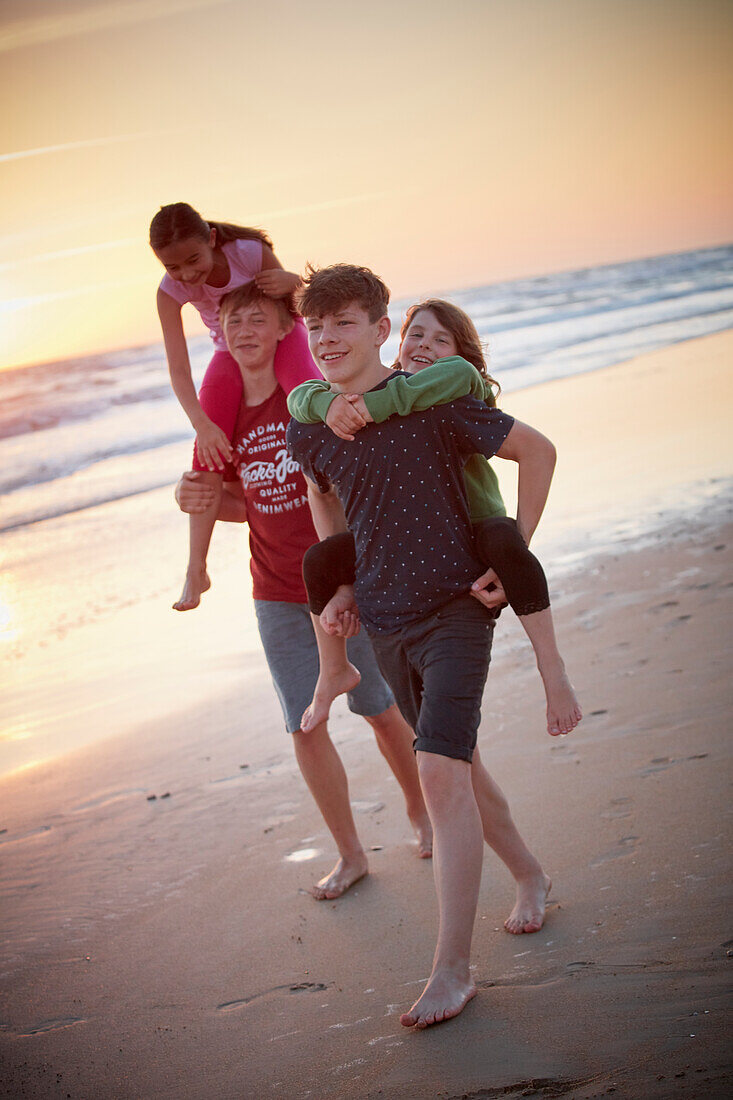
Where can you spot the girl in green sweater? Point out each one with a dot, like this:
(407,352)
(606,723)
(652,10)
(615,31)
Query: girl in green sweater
(441,350)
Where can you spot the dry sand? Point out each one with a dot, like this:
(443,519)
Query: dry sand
(166,947)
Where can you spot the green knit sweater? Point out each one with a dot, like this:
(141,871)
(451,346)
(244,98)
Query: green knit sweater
(440,383)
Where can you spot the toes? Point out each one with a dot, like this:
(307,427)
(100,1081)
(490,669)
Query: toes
(328,892)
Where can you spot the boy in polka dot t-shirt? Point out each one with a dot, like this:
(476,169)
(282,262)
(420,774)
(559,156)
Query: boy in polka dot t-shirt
(398,486)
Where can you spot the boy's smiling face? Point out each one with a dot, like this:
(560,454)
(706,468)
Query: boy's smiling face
(252,334)
(346,344)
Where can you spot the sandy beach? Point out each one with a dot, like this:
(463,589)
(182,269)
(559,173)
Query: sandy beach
(158,937)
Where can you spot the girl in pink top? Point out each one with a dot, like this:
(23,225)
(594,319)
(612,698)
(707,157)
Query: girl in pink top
(203,262)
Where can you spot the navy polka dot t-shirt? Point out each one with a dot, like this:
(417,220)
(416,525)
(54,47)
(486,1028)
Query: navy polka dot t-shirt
(402,490)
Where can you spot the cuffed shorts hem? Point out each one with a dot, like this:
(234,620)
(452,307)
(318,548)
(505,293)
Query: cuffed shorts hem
(440,748)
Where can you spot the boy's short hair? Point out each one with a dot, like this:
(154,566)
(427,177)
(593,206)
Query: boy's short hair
(249,295)
(330,289)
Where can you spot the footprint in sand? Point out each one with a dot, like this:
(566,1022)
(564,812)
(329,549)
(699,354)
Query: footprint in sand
(106,799)
(625,847)
(50,1025)
(296,987)
(30,834)
(522,980)
(620,807)
(564,754)
(661,763)
(578,965)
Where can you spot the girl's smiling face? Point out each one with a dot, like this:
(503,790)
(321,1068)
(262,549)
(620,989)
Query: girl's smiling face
(425,341)
(189,261)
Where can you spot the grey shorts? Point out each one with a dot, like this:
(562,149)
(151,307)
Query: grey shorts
(437,669)
(290,647)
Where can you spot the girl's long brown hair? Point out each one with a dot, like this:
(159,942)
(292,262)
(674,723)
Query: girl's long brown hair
(178,221)
(463,331)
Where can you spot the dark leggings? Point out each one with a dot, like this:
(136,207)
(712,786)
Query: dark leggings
(331,563)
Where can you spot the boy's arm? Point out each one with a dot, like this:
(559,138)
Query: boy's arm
(326,510)
(535,456)
(329,519)
(194,495)
(440,383)
(310,401)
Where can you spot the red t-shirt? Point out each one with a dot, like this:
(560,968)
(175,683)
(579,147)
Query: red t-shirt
(280,524)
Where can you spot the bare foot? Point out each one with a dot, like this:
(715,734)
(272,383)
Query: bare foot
(424,833)
(196,583)
(328,686)
(563,708)
(444,997)
(342,878)
(528,914)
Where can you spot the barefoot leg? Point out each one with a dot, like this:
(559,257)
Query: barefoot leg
(196,583)
(201,525)
(528,914)
(457,869)
(344,875)
(563,709)
(337,675)
(324,773)
(394,739)
(501,834)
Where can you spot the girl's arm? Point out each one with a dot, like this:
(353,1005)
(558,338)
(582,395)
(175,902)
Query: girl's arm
(310,401)
(438,384)
(442,382)
(272,280)
(212,444)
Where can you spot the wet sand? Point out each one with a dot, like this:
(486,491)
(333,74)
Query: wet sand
(158,937)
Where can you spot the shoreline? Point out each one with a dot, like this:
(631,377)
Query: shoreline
(167,946)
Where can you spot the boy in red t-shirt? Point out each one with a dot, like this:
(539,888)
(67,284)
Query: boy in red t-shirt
(271,495)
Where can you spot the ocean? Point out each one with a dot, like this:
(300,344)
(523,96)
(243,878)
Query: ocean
(77,433)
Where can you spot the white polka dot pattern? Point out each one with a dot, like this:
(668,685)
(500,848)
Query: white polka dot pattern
(403,493)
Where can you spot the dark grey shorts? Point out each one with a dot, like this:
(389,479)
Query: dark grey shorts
(437,669)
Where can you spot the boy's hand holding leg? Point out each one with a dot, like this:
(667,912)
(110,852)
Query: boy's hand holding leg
(488,590)
(340,616)
(193,493)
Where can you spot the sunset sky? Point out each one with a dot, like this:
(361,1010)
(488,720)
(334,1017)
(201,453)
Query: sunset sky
(443,144)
